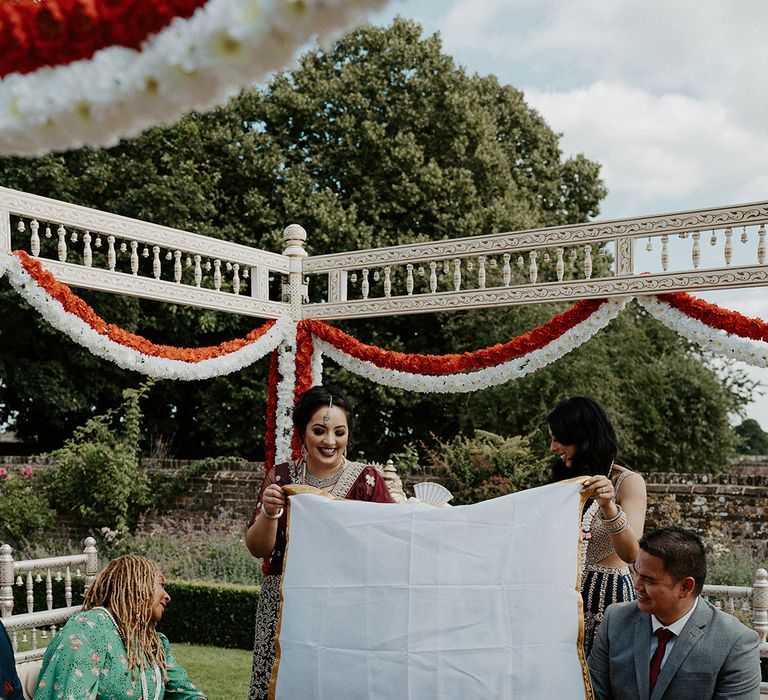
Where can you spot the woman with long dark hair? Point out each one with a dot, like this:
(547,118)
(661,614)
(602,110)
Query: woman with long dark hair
(585,441)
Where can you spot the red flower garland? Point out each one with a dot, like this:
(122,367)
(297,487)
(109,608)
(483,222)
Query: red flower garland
(716,316)
(56,32)
(454,363)
(76,306)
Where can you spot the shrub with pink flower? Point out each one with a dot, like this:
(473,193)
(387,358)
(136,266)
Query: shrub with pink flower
(24,505)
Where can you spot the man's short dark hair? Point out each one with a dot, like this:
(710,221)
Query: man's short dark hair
(682,552)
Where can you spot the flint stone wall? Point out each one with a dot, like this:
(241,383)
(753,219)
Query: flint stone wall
(732,506)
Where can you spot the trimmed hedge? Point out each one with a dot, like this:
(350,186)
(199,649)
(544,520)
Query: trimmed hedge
(215,614)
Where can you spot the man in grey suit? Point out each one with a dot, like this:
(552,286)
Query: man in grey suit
(670,643)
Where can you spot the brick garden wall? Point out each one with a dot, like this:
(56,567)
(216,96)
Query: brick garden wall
(732,506)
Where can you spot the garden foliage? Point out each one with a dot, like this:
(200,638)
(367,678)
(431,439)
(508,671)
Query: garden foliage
(486,465)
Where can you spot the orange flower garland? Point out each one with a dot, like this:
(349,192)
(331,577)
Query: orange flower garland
(76,306)
(453,363)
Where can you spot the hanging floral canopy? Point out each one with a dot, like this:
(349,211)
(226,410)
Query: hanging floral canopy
(90,72)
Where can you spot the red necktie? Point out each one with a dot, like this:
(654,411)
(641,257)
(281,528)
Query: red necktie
(664,636)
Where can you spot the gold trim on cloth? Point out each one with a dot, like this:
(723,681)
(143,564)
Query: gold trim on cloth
(589,693)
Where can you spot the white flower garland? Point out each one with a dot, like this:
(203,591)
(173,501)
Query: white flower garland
(192,64)
(753,352)
(286,365)
(128,358)
(483,378)
(316,366)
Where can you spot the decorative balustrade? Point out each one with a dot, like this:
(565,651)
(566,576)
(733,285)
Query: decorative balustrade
(611,258)
(695,250)
(88,248)
(749,603)
(39,625)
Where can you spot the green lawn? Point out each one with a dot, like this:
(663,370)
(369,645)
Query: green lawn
(223,674)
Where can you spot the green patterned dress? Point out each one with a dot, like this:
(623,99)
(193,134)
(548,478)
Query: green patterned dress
(87,660)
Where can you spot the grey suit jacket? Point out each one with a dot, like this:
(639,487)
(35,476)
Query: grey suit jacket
(715,656)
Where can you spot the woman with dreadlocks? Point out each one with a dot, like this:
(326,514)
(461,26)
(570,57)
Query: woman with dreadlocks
(111,649)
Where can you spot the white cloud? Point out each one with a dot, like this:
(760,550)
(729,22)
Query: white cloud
(658,152)
(704,48)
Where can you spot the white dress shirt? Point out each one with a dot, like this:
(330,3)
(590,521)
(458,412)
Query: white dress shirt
(676,627)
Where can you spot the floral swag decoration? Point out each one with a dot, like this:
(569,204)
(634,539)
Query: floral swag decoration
(297,349)
(90,72)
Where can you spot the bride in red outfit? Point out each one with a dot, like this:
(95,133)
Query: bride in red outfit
(323,418)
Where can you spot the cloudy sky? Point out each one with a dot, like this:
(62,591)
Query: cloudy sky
(670,97)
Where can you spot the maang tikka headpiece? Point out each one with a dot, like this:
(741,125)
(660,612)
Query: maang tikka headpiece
(327,415)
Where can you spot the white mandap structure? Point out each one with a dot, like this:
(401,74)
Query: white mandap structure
(150,61)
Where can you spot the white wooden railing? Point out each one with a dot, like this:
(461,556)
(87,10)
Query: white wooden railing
(751,605)
(36,626)
(706,249)
(88,248)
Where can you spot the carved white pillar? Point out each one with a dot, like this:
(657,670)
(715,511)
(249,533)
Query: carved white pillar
(761,244)
(217,275)
(198,272)
(294,237)
(728,245)
(533,268)
(177,266)
(34,243)
(6,580)
(260,283)
(506,270)
(156,264)
(456,274)
(760,604)
(111,255)
(6,245)
(560,265)
(337,285)
(409,279)
(387,282)
(91,560)
(134,258)
(625,256)
(87,252)
(236,278)
(588,261)
(433,277)
(365,285)
(665,253)
(696,250)
(61,232)
(481,272)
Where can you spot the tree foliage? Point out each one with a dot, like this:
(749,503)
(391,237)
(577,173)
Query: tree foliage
(753,440)
(380,140)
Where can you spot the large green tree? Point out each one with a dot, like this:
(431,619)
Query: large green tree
(381,140)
